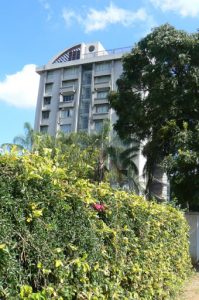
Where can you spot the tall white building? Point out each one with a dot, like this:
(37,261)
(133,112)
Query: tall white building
(74,87)
(73,91)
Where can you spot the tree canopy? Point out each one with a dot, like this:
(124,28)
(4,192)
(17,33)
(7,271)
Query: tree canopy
(160,85)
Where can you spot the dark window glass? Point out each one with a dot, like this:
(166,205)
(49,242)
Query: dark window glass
(83,123)
(68,98)
(86,93)
(87,78)
(102,95)
(47,100)
(98,125)
(101,109)
(66,128)
(44,129)
(66,113)
(48,88)
(45,114)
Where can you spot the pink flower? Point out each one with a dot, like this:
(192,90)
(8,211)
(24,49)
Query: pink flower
(99,207)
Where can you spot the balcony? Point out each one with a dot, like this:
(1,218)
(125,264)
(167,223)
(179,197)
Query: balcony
(98,101)
(100,116)
(66,104)
(67,90)
(67,120)
(74,76)
(106,85)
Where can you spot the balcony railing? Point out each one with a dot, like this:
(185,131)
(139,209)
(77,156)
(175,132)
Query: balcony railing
(108,52)
(102,85)
(67,89)
(66,104)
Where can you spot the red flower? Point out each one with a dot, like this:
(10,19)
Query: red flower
(99,207)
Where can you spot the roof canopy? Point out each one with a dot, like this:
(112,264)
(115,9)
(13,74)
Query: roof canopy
(70,54)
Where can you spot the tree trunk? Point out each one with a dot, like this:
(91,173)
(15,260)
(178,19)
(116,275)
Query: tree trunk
(158,184)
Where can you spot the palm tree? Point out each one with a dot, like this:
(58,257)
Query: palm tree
(25,141)
(8,147)
(102,143)
(115,157)
(21,142)
(122,163)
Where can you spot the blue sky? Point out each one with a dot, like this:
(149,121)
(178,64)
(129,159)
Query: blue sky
(34,31)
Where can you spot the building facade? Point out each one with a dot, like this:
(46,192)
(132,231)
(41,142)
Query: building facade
(73,91)
(74,87)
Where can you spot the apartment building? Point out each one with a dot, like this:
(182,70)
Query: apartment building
(73,91)
(74,87)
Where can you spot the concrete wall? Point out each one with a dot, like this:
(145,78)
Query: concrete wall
(193,221)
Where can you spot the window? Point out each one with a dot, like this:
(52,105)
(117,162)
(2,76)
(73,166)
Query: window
(102,95)
(44,129)
(85,107)
(87,78)
(47,100)
(70,54)
(70,71)
(68,98)
(50,75)
(91,48)
(83,123)
(48,88)
(86,92)
(101,109)
(102,79)
(66,113)
(45,114)
(66,128)
(98,125)
(68,83)
(105,66)
(74,54)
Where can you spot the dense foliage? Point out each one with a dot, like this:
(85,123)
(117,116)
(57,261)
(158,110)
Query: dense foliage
(184,167)
(63,237)
(111,159)
(159,87)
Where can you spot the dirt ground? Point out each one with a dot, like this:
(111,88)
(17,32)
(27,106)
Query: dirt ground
(191,289)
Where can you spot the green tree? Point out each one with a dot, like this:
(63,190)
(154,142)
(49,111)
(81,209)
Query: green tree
(111,156)
(76,152)
(183,167)
(159,85)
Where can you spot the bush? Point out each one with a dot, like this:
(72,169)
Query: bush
(63,237)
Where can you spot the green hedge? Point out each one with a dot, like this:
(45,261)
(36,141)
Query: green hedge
(66,238)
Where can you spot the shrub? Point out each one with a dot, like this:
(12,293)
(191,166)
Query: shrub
(63,237)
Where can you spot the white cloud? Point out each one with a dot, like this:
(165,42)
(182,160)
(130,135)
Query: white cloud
(95,20)
(68,16)
(20,89)
(183,7)
(47,8)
